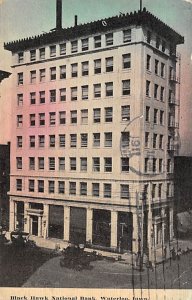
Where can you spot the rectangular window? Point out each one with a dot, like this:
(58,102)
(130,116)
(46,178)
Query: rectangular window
(41,119)
(109,64)
(97,41)
(161,117)
(162,70)
(41,186)
(85,44)
(42,53)
(148,66)
(85,68)
(31,185)
(124,191)
(157,42)
(146,139)
(62,140)
(162,93)
(20,100)
(146,165)
(19,185)
(52,141)
(41,163)
(97,66)
(148,84)
(163,46)
(20,57)
(156,91)
(97,90)
(155,116)
(32,141)
(73,140)
(108,139)
(61,163)
(52,94)
(96,164)
(53,73)
(154,141)
(95,189)
(147,114)
(74,46)
(42,97)
(32,120)
(52,118)
(19,141)
(32,55)
(109,39)
(73,93)
(96,115)
(51,163)
(74,70)
(96,139)
(125,113)
(84,90)
(160,165)
(32,98)
(62,49)
(161,141)
(107,190)
(42,75)
(125,139)
(160,190)
(108,114)
(124,164)
(84,140)
(126,87)
(107,164)
(156,67)
(127,35)
(62,72)
(84,116)
(51,186)
(62,117)
(83,162)
(72,188)
(153,190)
(63,94)
(61,187)
(32,76)
(73,117)
(41,141)
(20,78)
(126,61)
(83,188)
(109,89)
(52,50)
(31,163)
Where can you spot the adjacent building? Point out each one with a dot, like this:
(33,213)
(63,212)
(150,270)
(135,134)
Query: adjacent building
(95,111)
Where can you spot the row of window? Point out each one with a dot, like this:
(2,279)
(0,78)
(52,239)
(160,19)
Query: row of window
(158,115)
(159,67)
(154,165)
(74,46)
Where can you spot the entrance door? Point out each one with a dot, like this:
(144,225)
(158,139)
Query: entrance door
(34,220)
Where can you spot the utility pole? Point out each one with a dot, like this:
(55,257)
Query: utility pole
(141,6)
(149,223)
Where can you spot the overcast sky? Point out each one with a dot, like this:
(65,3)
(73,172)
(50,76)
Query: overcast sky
(24,18)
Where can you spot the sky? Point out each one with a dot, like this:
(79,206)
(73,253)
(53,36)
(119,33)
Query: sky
(24,18)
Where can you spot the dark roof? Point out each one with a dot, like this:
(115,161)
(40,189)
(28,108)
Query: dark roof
(143,17)
(4,74)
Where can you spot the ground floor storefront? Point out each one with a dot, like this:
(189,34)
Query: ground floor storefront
(117,228)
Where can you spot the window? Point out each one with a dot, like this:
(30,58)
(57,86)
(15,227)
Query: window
(124,164)
(63,94)
(32,55)
(147,114)
(161,117)
(74,70)
(42,53)
(108,114)
(109,39)
(31,163)
(153,190)
(73,117)
(156,67)
(72,188)
(52,118)
(156,90)
(160,165)
(148,88)
(108,139)
(19,184)
(162,70)
(155,116)
(125,113)
(84,92)
(96,139)
(107,190)
(20,57)
(62,72)
(73,140)
(97,41)
(62,49)
(97,66)
(149,37)
(61,187)
(73,93)
(146,139)
(109,64)
(107,164)
(74,46)
(109,89)
(95,189)
(161,141)
(85,68)
(146,165)
(41,119)
(84,116)
(41,186)
(148,67)
(42,97)
(31,185)
(52,95)
(97,90)
(20,99)
(125,138)
(51,186)
(32,141)
(33,98)
(96,115)
(52,141)
(19,141)
(83,188)
(41,141)
(51,163)
(96,164)
(126,89)
(53,73)
(32,120)
(20,78)
(83,164)
(52,50)
(162,93)
(124,191)
(126,61)
(154,165)
(163,46)
(127,35)
(33,76)
(42,75)
(85,44)
(168,189)
(154,140)
(160,190)
(41,163)
(157,42)
(61,163)
(62,117)
(62,140)
(84,140)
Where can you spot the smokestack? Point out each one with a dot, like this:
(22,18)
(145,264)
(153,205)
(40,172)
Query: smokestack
(141,5)
(75,20)
(59,14)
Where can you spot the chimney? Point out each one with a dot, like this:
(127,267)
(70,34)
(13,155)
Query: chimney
(75,20)
(59,14)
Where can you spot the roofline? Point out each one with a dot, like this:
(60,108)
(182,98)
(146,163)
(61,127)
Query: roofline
(144,18)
